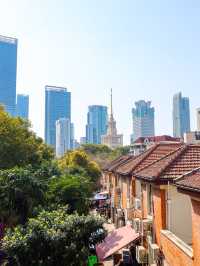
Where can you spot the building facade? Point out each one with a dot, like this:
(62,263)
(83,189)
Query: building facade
(143,120)
(155,192)
(8,73)
(111,138)
(96,123)
(181,115)
(63,136)
(198,119)
(57,106)
(22,108)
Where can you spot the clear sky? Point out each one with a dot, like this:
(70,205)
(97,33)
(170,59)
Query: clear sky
(142,49)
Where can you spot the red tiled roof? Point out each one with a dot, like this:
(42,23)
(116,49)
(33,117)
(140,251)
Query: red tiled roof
(190,181)
(115,163)
(175,164)
(155,153)
(157,139)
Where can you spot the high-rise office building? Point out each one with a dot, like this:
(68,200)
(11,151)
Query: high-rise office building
(181,115)
(8,73)
(198,119)
(57,106)
(22,108)
(63,136)
(143,120)
(96,123)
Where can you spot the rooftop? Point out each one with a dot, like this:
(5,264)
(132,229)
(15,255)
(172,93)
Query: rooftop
(152,155)
(8,39)
(173,165)
(55,88)
(190,181)
(156,139)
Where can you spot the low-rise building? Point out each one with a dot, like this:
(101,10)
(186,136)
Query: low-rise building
(144,189)
(143,143)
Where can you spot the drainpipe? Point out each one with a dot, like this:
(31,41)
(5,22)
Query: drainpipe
(168,208)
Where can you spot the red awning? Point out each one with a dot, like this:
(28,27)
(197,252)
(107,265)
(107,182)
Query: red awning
(116,240)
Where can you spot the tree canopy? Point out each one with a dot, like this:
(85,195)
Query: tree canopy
(20,192)
(19,146)
(54,238)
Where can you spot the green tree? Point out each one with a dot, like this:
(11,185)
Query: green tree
(78,162)
(19,146)
(53,238)
(74,191)
(20,192)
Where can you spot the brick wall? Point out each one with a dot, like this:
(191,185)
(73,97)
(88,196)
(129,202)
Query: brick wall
(159,206)
(196,231)
(173,254)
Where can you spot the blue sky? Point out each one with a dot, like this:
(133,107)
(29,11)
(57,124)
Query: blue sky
(142,49)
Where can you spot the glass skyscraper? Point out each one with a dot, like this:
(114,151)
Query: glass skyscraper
(22,108)
(57,106)
(181,115)
(143,120)
(8,73)
(97,119)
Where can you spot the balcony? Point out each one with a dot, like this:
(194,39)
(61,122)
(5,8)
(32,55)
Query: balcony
(174,247)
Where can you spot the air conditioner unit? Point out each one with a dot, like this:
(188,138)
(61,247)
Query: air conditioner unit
(137,203)
(153,250)
(147,226)
(141,254)
(136,225)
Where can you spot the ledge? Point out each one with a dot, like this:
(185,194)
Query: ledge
(178,242)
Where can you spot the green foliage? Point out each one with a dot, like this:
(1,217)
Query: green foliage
(78,161)
(102,154)
(20,192)
(96,149)
(53,238)
(71,190)
(19,146)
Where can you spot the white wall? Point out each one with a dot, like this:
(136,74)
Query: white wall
(179,218)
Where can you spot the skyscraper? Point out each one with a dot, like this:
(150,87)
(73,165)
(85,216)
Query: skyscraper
(96,123)
(111,138)
(22,108)
(63,136)
(8,73)
(143,120)
(198,119)
(57,106)
(181,115)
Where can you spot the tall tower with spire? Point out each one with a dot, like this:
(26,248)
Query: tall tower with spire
(112,139)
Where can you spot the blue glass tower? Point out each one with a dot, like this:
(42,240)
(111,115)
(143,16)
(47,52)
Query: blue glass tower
(57,106)
(8,73)
(97,119)
(143,120)
(22,109)
(181,115)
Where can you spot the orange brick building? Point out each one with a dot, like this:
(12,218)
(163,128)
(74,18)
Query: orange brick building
(148,190)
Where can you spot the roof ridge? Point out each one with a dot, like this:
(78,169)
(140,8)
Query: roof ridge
(187,174)
(149,151)
(140,155)
(168,154)
(179,151)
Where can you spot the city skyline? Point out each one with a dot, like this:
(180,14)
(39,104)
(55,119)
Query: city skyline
(142,58)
